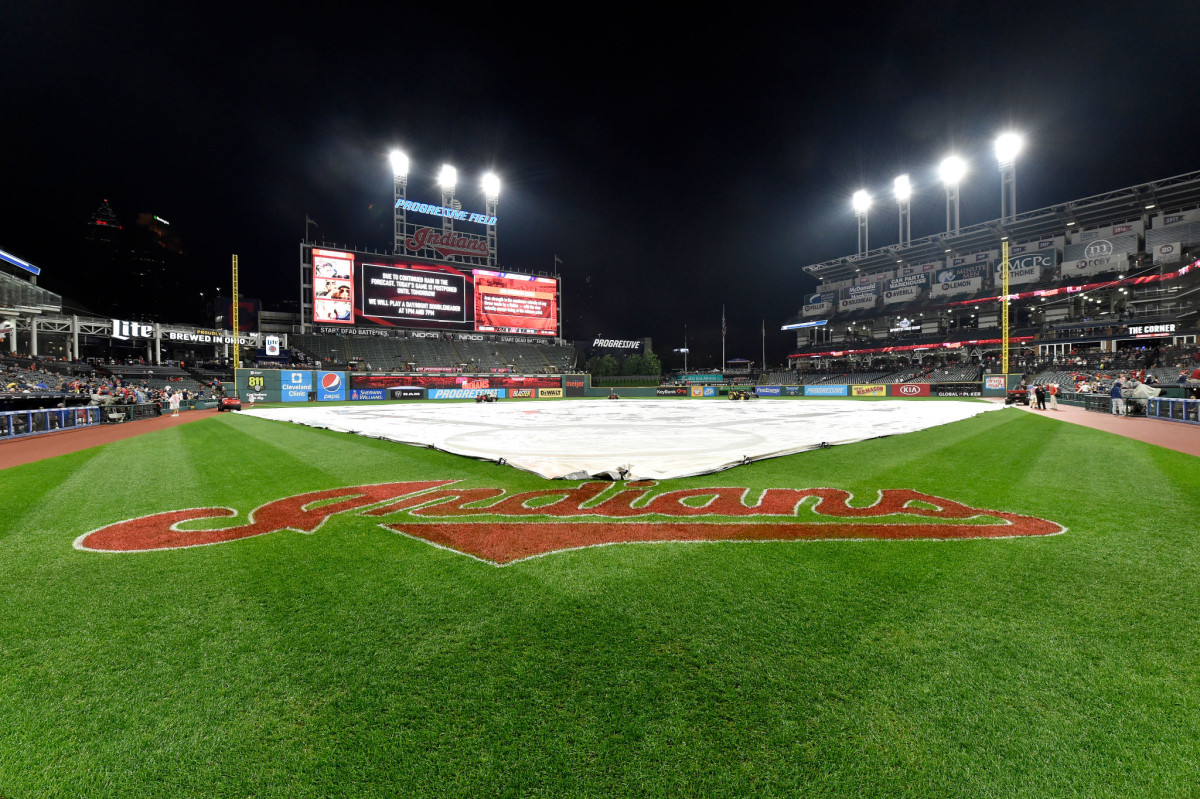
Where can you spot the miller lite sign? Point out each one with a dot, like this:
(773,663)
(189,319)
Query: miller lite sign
(124,330)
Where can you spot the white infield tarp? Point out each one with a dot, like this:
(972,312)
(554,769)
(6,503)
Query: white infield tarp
(630,439)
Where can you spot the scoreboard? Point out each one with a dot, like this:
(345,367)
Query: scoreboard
(364,289)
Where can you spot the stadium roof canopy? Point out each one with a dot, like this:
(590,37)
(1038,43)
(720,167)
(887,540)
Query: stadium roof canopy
(1112,207)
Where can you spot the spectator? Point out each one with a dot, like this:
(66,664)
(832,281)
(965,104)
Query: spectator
(1040,393)
(1117,401)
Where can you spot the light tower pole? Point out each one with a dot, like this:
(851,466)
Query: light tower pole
(400,191)
(903,191)
(861,202)
(447,179)
(1008,145)
(491,193)
(952,171)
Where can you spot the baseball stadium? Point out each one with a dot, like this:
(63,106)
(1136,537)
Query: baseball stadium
(424,522)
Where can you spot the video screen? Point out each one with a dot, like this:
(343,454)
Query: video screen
(333,287)
(413,293)
(511,303)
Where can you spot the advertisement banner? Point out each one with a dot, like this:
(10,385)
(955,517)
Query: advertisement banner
(465,393)
(826,391)
(909,390)
(856,297)
(993,381)
(331,386)
(869,391)
(521,393)
(1095,266)
(768,391)
(671,391)
(366,394)
(957,389)
(697,391)
(575,385)
(815,304)
(294,386)
(710,391)
(1025,268)
(1167,253)
(406,393)
(380,380)
(1101,247)
(793,391)
(549,393)
(958,280)
(905,288)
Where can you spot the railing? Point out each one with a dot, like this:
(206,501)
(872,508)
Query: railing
(1175,410)
(15,424)
(116,414)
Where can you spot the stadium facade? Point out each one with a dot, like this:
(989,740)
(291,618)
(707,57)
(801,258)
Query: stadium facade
(1101,273)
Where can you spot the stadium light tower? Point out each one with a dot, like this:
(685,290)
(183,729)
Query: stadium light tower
(491,193)
(446,179)
(400,191)
(1008,146)
(862,203)
(951,171)
(903,191)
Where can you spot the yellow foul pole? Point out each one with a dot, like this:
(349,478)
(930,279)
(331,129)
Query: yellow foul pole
(237,353)
(1004,303)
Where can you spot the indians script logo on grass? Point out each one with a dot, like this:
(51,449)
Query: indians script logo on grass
(490,525)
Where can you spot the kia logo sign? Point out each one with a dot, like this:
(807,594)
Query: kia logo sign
(331,381)
(909,391)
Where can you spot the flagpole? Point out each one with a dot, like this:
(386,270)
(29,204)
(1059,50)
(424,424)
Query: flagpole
(764,334)
(722,339)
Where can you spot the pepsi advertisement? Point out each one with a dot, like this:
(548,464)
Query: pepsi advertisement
(331,386)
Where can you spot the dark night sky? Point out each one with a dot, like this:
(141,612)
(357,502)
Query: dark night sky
(673,163)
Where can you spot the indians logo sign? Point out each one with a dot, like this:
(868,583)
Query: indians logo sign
(448,243)
(498,528)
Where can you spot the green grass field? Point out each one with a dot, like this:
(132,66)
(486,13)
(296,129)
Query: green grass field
(358,662)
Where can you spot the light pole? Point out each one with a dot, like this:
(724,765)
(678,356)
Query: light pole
(400,191)
(491,193)
(862,203)
(447,179)
(903,191)
(1008,145)
(952,170)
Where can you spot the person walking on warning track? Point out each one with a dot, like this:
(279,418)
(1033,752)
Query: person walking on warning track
(1118,402)
(175,404)
(1052,389)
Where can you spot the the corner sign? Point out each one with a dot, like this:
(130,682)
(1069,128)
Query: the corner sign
(1151,330)
(449,213)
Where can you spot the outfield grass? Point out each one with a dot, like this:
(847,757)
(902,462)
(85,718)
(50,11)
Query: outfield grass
(358,662)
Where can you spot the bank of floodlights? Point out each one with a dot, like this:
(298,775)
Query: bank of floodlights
(448,177)
(861,201)
(399,163)
(951,172)
(1008,146)
(491,185)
